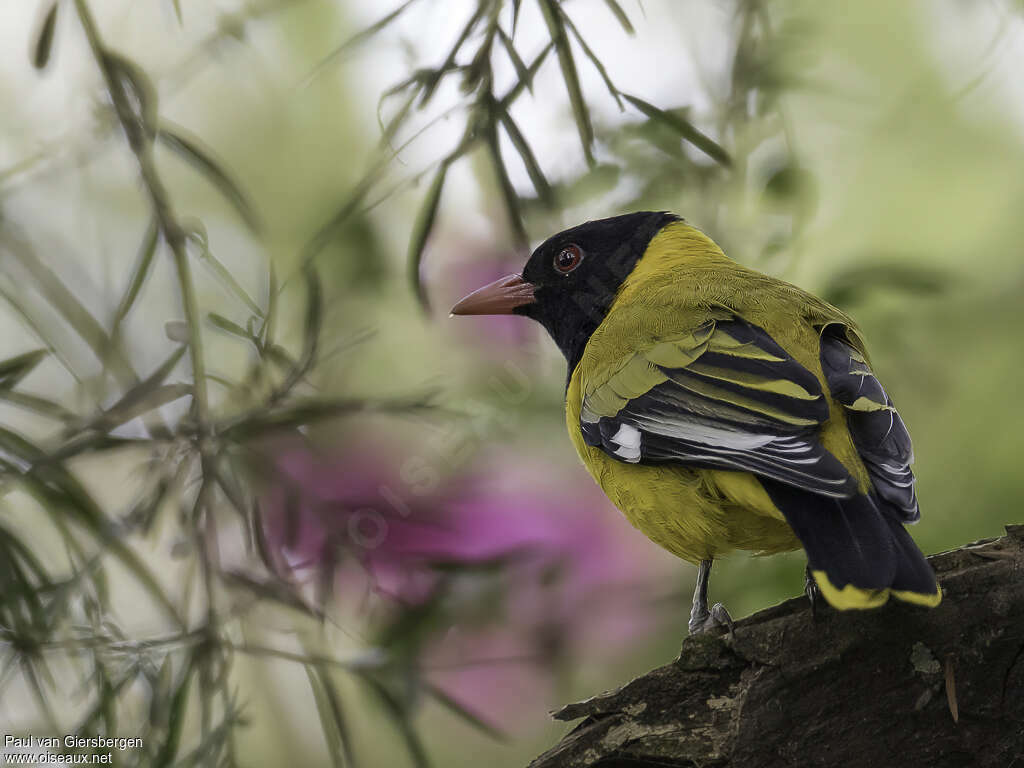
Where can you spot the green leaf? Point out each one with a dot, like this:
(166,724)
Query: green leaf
(176,719)
(40,405)
(222,323)
(400,717)
(148,394)
(458,709)
(58,491)
(430,85)
(525,83)
(66,305)
(137,403)
(196,235)
(143,93)
(508,192)
(684,128)
(621,16)
(202,158)
(334,730)
(358,38)
(14,369)
(533,169)
(311,411)
(143,267)
(598,64)
(513,55)
(421,229)
(177,11)
(553,19)
(44,42)
(273,590)
(331,228)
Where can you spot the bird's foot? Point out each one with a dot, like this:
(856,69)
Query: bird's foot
(813,592)
(702,620)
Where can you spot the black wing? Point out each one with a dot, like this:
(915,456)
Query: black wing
(726,396)
(877,430)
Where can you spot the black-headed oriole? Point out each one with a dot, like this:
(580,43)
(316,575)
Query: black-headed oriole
(721,409)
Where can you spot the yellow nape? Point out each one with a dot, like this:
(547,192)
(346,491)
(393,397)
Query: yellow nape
(851,598)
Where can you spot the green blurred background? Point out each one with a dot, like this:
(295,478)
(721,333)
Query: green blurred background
(876,153)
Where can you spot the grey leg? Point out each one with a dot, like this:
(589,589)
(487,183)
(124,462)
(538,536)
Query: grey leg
(812,591)
(702,619)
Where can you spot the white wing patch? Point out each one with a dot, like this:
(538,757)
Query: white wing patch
(627,440)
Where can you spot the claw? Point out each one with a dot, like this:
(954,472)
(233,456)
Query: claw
(702,619)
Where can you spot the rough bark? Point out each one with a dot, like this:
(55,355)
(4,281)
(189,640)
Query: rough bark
(899,685)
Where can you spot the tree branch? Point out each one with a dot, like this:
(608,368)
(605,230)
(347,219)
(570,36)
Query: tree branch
(941,687)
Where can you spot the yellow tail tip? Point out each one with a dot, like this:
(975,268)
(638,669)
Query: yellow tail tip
(851,598)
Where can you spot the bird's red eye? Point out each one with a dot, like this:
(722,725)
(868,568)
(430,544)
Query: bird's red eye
(567,259)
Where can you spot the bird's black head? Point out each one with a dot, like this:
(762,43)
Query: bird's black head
(571,280)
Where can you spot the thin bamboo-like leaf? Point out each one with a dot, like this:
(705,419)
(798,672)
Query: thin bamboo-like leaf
(44,42)
(421,229)
(324,235)
(30,668)
(620,14)
(40,405)
(358,38)
(594,59)
(148,394)
(553,19)
(393,125)
(236,497)
(14,369)
(311,411)
(266,334)
(508,191)
(143,96)
(176,719)
(177,11)
(533,169)
(430,85)
(259,536)
(222,323)
(525,83)
(400,716)
(514,57)
(143,267)
(16,547)
(271,590)
(461,711)
(57,489)
(202,158)
(42,333)
(139,405)
(684,128)
(67,305)
(327,723)
(337,714)
(516,4)
(197,236)
(314,320)
(311,336)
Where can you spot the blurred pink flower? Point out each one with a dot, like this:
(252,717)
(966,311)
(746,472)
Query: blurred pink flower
(576,581)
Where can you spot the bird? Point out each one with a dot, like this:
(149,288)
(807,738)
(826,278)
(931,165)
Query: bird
(723,409)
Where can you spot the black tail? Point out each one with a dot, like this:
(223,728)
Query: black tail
(858,553)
